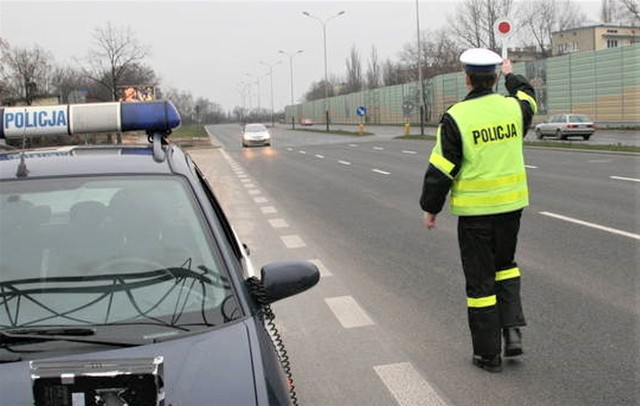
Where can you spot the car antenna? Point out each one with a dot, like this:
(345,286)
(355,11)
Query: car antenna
(22,171)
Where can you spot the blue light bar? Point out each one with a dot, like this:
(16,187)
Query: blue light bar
(70,119)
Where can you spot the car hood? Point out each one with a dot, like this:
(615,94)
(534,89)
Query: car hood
(211,368)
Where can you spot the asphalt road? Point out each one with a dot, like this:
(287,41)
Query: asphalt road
(387,323)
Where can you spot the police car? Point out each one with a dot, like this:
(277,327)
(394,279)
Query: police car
(121,280)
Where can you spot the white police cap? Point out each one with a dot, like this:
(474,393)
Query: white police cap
(480,60)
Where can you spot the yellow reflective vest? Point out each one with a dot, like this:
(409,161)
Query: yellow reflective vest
(492,177)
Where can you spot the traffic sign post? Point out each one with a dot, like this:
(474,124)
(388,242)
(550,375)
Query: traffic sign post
(503,28)
(361,111)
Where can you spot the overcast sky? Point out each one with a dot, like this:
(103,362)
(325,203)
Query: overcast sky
(210,47)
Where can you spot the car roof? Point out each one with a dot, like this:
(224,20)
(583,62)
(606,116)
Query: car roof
(90,160)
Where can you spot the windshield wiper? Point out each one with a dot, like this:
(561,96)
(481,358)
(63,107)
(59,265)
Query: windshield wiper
(74,335)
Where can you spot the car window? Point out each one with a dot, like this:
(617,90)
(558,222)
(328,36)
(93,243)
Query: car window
(578,118)
(130,248)
(254,128)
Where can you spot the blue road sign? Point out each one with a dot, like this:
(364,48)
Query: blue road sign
(361,111)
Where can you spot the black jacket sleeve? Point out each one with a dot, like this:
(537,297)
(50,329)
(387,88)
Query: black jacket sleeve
(518,83)
(436,184)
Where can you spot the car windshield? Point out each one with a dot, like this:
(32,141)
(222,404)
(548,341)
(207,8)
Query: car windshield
(577,118)
(108,250)
(255,128)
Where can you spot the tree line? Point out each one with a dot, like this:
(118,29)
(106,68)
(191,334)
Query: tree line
(117,58)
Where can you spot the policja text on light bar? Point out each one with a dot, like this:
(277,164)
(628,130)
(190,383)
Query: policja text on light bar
(69,119)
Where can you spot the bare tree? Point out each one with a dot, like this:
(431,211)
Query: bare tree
(117,53)
(633,7)
(65,80)
(473,22)
(540,18)
(354,80)
(440,54)
(395,74)
(621,11)
(25,71)
(374,70)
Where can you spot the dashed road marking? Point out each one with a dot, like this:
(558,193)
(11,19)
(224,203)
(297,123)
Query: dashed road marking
(324,272)
(268,210)
(260,200)
(531,167)
(381,172)
(278,223)
(407,386)
(292,241)
(254,192)
(303,152)
(344,162)
(410,152)
(592,225)
(249,185)
(348,312)
(623,178)
(378,148)
(353,145)
(320,156)
(245,180)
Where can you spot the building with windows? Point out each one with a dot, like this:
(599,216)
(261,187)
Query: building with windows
(593,38)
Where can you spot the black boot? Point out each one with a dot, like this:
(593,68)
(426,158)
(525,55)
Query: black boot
(512,341)
(488,363)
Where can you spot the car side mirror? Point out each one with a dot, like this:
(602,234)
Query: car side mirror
(287,278)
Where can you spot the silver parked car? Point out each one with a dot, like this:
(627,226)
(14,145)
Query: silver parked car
(566,125)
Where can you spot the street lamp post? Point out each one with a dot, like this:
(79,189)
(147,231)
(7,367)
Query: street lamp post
(420,84)
(326,76)
(291,55)
(271,78)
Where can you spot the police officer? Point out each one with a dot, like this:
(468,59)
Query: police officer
(478,157)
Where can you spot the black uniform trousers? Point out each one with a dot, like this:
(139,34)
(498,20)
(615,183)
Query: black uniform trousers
(487,248)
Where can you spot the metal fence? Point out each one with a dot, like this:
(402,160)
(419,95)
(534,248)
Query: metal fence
(603,84)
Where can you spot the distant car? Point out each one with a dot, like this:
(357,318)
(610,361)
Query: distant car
(306,121)
(563,126)
(122,282)
(255,135)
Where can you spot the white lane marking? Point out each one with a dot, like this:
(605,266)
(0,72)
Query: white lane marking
(260,199)
(289,149)
(592,225)
(278,223)
(268,210)
(249,185)
(407,385)
(378,148)
(324,272)
(623,178)
(531,167)
(254,192)
(303,152)
(410,152)
(353,145)
(599,161)
(320,156)
(344,162)
(348,312)
(242,176)
(292,241)
(381,172)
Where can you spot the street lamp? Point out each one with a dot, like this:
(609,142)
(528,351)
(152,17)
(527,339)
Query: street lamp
(420,84)
(326,78)
(291,55)
(271,77)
